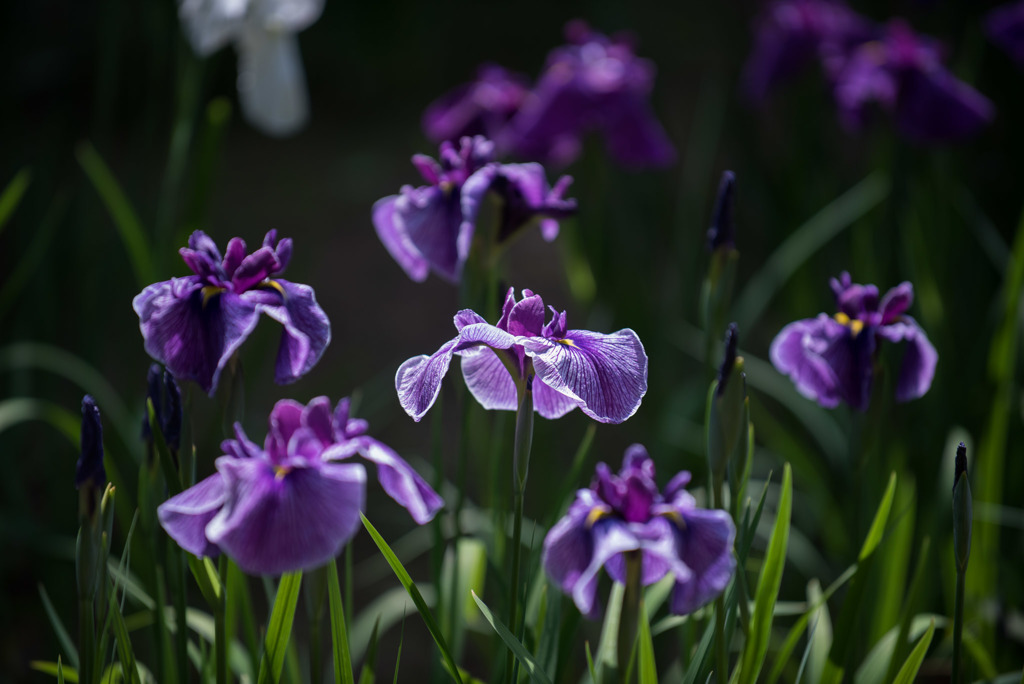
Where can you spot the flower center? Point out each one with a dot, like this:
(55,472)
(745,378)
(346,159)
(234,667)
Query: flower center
(280,471)
(596,513)
(567,342)
(676,518)
(210,291)
(855,325)
(273,285)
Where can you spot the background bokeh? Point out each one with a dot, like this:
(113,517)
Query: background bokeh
(117,77)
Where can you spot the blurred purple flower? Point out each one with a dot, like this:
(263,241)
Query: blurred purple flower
(604,375)
(194,324)
(1005,26)
(593,83)
(831,358)
(903,73)
(431,227)
(290,505)
(623,513)
(271,81)
(481,107)
(793,33)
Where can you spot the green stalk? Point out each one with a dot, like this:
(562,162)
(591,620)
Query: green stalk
(86,641)
(520,468)
(630,615)
(958,625)
(220,632)
(721,652)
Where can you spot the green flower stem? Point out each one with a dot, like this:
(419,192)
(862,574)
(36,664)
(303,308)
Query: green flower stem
(958,625)
(721,650)
(630,616)
(520,468)
(220,632)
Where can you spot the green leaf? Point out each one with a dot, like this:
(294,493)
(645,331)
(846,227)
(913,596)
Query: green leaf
(417,598)
(63,637)
(756,647)
(398,657)
(13,193)
(648,672)
(279,629)
(909,670)
(590,662)
(60,671)
(369,672)
(513,644)
(206,577)
(38,250)
(607,649)
(339,634)
(124,643)
(125,219)
(63,674)
(878,524)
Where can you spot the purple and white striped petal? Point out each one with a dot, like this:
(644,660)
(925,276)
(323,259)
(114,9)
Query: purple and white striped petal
(489,381)
(605,374)
(659,554)
(551,404)
(185,516)
(401,481)
(390,230)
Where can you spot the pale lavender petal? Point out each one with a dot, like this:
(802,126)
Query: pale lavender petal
(609,537)
(467,317)
(477,334)
(418,380)
(551,404)
(705,543)
(401,482)
(306,333)
(659,554)
(185,515)
(797,352)
(569,545)
(429,217)
(919,360)
(489,381)
(396,241)
(274,524)
(605,374)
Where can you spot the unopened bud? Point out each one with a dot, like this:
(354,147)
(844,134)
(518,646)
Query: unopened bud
(722,232)
(963,514)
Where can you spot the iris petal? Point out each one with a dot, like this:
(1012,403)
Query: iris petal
(185,515)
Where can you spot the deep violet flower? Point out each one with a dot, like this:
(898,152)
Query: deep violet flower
(194,324)
(903,73)
(830,358)
(595,82)
(1005,27)
(89,468)
(291,505)
(481,107)
(271,81)
(431,227)
(623,513)
(604,375)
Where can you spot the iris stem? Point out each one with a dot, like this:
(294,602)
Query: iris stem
(958,623)
(220,632)
(520,469)
(630,616)
(721,652)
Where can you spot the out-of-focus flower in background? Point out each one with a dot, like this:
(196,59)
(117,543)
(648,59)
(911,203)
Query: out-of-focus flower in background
(832,358)
(431,227)
(625,513)
(271,80)
(1005,26)
(89,469)
(604,375)
(194,324)
(594,83)
(481,107)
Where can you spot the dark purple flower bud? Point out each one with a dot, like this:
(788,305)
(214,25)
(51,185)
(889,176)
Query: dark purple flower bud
(729,361)
(625,513)
(163,391)
(963,514)
(193,325)
(595,82)
(831,359)
(605,376)
(481,107)
(89,468)
(722,233)
(960,468)
(1005,27)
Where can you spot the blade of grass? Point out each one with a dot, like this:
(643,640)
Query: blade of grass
(908,672)
(648,671)
(65,674)
(590,662)
(33,256)
(398,657)
(369,672)
(417,598)
(512,643)
(339,633)
(279,628)
(13,193)
(63,638)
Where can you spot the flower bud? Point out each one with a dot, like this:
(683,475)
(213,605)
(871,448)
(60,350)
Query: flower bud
(722,233)
(963,514)
(89,468)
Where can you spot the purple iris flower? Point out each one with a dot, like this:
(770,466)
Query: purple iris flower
(622,513)
(291,505)
(903,73)
(194,324)
(431,227)
(604,375)
(831,358)
(1005,26)
(793,33)
(481,107)
(595,82)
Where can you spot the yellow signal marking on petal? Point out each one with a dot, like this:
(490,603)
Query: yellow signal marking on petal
(676,518)
(855,325)
(274,285)
(567,342)
(842,318)
(596,513)
(210,291)
(280,472)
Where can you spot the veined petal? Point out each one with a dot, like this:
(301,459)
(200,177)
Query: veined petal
(390,230)
(919,360)
(418,380)
(191,333)
(476,334)
(568,548)
(609,537)
(704,544)
(488,380)
(797,352)
(551,404)
(429,218)
(401,482)
(306,333)
(185,515)
(271,80)
(273,524)
(605,374)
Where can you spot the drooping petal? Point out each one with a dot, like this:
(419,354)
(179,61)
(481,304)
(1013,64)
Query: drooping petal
(401,481)
(659,554)
(489,381)
(797,352)
(610,537)
(704,544)
(569,546)
(635,136)
(272,524)
(430,218)
(185,516)
(551,404)
(306,334)
(935,106)
(193,334)
(850,357)
(605,374)
(271,80)
(390,230)
(919,359)
(418,380)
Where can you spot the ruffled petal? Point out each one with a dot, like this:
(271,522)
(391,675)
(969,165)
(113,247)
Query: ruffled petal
(418,380)
(429,217)
(401,481)
(919,360)
(704,544)
(605,374)
(390,231)
(274,524)
(489,381)
(659,554)
(609,538)
(797,352)
(191,333)
(549,403)
(185,515)
(569,546)
(285,419)
(306,333)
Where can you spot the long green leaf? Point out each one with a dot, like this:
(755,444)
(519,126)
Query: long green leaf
(125,219)
(590,662)
(339,634)
(648,672)
(279,629)
(58,627)
(909,670)
(28,262)
(57,670)
(512,643)
(417,598)
(124,643)
(398,656)
(756,647)
(877,529)
(369,672)
(13,193)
